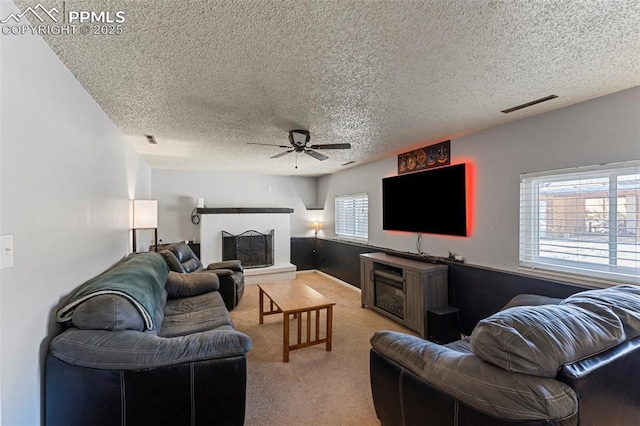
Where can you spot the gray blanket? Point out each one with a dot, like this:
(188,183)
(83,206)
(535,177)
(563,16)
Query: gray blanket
(140,278)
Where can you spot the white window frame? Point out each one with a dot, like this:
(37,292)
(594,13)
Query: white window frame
(615,260)
(352,216)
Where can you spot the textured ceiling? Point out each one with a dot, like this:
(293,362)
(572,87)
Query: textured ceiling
(209,77)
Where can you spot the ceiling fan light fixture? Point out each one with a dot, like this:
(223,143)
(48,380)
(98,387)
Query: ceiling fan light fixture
(299,137)
(299,140)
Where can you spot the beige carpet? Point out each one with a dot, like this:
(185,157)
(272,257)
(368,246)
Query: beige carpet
(315,387)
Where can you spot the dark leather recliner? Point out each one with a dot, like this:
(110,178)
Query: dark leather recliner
(586,373)
(182,259)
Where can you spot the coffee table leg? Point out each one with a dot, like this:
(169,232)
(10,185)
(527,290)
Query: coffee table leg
(261,306)
(329,326)
(285,339)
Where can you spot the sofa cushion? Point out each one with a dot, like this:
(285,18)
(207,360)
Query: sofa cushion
(530,300)
(180,258)
(159,314)
(185,285)
(195,314)
(538,340)
(107,312)
(622,300)
(134,350)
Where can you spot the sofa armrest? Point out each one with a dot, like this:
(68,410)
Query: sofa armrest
(134,350)
(186,285)
(229,283)
(476,383)
(609,379)
(234,265)
(221,272)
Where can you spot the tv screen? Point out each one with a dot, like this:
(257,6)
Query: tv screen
(431,202)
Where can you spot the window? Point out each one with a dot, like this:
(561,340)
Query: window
(583,221)
(352,216)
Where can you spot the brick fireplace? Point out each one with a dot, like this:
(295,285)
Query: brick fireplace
(237,220)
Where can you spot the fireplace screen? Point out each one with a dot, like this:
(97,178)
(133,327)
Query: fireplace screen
(254,249)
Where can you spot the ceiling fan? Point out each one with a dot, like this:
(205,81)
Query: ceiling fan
(299,140)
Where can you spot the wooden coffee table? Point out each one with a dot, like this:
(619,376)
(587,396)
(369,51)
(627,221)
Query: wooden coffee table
(294,298)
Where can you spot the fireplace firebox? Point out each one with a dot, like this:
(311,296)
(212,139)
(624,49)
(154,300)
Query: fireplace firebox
(389,290)
(254,249)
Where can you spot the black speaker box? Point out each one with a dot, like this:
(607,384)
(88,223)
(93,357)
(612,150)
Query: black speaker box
(443,325)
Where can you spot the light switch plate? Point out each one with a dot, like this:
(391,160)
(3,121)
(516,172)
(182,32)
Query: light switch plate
(6,251)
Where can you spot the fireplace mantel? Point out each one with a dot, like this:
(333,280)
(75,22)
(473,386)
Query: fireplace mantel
(243,210)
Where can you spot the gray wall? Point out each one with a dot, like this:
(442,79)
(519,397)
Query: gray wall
(177,191)
(598,131)
(66,177)
(602,130)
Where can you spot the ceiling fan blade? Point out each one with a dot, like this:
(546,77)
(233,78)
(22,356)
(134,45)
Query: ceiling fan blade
(315,155)
(282,154)
(267,144)
(332,146)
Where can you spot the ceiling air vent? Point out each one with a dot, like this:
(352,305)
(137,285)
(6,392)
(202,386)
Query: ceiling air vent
(151,139)
(528,104)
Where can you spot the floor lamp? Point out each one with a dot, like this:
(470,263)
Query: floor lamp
(145,216)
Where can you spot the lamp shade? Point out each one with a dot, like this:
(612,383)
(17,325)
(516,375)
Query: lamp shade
(145,214)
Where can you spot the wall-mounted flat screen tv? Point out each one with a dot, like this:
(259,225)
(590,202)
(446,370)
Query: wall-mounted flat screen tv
(431,202)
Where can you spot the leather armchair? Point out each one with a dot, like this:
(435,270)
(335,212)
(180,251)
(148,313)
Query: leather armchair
(180,258)
(585,374)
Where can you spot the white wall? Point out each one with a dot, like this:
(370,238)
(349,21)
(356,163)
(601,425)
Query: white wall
(177,191)
(597,131)
(66,177)
(602,130)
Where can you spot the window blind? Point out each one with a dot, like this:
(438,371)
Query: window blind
(582,221)
(352,216)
